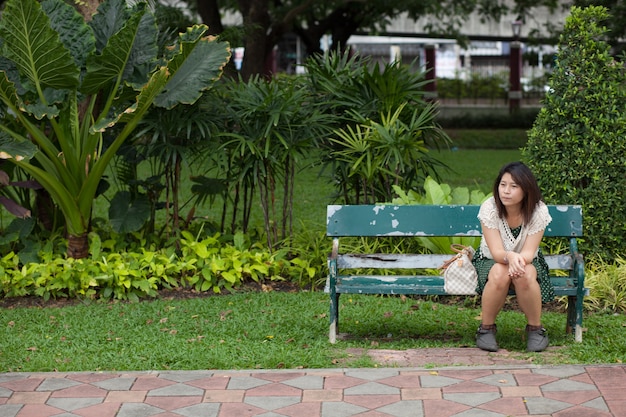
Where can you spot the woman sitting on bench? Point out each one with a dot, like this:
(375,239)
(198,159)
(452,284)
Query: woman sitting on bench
(513,222)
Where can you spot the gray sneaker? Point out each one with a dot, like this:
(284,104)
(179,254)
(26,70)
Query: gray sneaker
(536,340)
(486,339)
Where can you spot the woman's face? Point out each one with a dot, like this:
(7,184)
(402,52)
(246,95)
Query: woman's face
(511,194)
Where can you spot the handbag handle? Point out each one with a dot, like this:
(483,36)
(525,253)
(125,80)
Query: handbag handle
(458,248)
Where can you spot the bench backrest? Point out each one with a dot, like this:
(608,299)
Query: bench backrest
(432,220)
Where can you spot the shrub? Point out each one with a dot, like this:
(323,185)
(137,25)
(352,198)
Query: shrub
(607,285)
(385,127)
(576,147)
(213,263)
(523,119)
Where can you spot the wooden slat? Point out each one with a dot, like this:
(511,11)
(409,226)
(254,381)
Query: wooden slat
(420,285)
(431,220)
(421,261)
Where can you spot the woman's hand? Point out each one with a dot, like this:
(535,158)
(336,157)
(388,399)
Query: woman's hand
(517,264)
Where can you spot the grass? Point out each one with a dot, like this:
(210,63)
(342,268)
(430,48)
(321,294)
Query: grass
(484,165)
(269,330)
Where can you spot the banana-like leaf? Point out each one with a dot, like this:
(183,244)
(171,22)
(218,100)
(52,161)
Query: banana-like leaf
(10,148)
(108,20)
(74,33)
(109,67)
(127,214)
(8,92)
(193,71)
(144,101)
(35,47)
(142,59)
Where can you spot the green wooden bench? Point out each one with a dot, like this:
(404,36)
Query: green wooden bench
(437,220)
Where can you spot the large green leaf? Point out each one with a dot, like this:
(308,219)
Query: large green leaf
(74,33)
(35,47)
(144,101)
(109,19)
(11,148)
(108,68)
(127,214)
(143,56)
(193,71)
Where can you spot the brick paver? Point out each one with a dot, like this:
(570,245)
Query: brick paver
(492,391)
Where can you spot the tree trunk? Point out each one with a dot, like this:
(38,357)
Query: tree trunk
(78,246)
(87,8)
(209,12)
(256,19)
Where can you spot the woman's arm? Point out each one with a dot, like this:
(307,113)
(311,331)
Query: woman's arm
(494,242)
(530,246)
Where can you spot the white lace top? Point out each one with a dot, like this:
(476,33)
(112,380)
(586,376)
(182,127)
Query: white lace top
(488,216)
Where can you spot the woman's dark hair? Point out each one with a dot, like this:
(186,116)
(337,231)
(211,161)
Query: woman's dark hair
(523,176)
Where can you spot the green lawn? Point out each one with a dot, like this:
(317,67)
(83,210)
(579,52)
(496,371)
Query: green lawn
(269,330)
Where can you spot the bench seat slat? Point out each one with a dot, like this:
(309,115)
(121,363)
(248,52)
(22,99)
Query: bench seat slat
(419,284)
(422,261)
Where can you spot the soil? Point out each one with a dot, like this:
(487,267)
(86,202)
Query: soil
(171,294)
(186,293)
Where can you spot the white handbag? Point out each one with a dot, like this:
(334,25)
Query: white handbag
(460,277)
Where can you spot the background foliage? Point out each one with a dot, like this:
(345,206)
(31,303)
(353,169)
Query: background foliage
(576,147)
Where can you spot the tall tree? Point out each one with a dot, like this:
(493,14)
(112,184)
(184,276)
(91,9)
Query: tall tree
(266,22)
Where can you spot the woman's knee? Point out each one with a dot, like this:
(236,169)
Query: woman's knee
(499,277)
(528,282)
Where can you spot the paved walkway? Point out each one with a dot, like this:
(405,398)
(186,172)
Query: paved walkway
(462,391)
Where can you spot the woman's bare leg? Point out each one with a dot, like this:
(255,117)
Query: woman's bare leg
(528,295)
(495,293)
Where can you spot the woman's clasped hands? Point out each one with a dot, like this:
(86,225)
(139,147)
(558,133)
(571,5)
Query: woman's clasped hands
(517,265)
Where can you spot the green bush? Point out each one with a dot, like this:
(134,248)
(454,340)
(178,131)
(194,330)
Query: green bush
(385,127)
(213,263)
(492,87)
(523,119)
(576,147)
(607,285)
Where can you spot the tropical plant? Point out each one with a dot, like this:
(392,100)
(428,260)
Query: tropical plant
(275,124)
(378,156)
(385,128)
(607,284)
(68,84)
(437,194)
(169,139)
(576,147)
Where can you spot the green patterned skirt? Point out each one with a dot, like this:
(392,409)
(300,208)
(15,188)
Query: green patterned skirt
(483,266)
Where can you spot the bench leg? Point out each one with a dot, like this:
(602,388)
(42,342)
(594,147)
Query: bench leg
(575,317)
(578,332)
(334,316)
(571,314)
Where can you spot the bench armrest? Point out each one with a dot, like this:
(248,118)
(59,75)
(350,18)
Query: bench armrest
(578,268)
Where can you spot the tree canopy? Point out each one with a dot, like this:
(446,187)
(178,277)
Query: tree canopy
(266,22)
